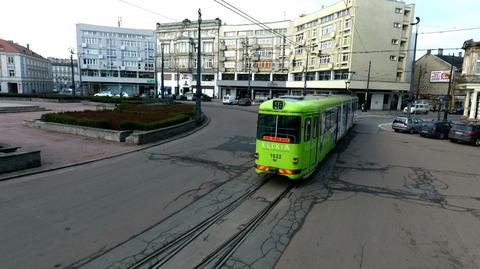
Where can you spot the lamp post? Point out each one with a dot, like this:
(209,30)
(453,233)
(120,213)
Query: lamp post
(306,69)
(71,66)
(410,94)
(198,110)
(447,101)
(161,75)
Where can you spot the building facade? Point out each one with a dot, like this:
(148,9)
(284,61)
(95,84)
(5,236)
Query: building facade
(179,43)
(116,59)
(329,50)
(432,77)
(470,79)
(22,70)
(62,73)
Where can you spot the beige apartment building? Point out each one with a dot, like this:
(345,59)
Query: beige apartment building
(470,80)
(352,46)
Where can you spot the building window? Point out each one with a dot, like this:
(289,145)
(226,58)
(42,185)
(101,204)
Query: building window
(314,32)
(324,59)
(90,61)
(299,38)
(264,41)
(344,57)
(11,73)
(265,53)
(208,47)
(230,53)
(398,10)
(229,64)
(328,29)
(297,77)
(297,63)
(230,42)
(347,24)
(326,44)
(395,42)
(324,75)
(477,68)
(208,63)
(129,53)
(299,51)
(264,65)
(397,25)
(233,33)
(245,33)
(261,32)
(393,58)
(10,60)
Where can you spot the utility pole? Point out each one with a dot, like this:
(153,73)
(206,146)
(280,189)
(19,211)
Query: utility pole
(447,101)
(368,85)
(410,94)
(305,74)
(249,65)
(198,110)
(419,81)
(73,73)
(161,76)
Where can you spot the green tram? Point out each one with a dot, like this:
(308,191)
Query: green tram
(295,133)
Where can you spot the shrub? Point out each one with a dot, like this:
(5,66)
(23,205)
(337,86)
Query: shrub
(145,126)
(65,118)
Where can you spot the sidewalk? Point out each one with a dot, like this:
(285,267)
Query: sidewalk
(57,149)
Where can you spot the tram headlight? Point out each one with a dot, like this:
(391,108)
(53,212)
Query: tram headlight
(295,160)
(256,155)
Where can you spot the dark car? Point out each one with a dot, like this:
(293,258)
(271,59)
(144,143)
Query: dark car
(437,129)
(465,132)
(406,124)
(244,102)
(456,111)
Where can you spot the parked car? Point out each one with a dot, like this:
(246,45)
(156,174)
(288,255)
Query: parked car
(465,132)
(244,102)
(457,111)
(104,93)
(124,94)
(189,96)
(229,100)
(437,129)
(405,124)
(417,109)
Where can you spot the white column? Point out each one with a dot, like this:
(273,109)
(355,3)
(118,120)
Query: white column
(473,107)
(466,105)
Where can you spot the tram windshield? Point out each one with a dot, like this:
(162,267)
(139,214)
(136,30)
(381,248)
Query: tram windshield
(279,128)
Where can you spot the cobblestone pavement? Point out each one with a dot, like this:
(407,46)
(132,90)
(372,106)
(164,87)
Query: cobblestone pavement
(57,149)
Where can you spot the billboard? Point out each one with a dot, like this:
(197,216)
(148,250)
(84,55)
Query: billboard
(440,76)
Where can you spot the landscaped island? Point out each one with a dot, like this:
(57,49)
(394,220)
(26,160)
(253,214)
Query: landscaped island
(127,116)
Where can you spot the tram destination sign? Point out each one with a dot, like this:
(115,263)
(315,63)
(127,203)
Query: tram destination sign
(278,105)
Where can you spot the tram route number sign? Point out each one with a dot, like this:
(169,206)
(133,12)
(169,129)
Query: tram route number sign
(278,105)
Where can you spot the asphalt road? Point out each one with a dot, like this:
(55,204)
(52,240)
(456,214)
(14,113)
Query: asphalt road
(380,200)
(69,216)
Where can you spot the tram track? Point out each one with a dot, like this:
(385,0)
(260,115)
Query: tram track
(162,257)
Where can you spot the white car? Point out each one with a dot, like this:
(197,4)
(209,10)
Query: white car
(124,94)
(105,93)
(189,96)
(229,100)
(417,109)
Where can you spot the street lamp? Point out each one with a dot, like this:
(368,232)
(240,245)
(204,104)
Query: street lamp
(410,94)
(306,68)
(71,66)
(198,110)
(161,75)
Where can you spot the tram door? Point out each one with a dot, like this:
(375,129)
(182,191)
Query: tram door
(315,141)
(308,141)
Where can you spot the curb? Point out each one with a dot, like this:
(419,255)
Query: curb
(205,123)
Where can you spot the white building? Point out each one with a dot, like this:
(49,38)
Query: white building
(470,79)
(22,70)
(116,59)
(62,73)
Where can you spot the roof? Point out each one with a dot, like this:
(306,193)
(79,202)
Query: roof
(11,47)
(470,43)
(455,60)
(307,104)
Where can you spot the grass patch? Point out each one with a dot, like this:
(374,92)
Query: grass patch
(127,116)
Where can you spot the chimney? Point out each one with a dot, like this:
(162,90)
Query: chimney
(440,51)
(28,46)
(460,54)
(429,52)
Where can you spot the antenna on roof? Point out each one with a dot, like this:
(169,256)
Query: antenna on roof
(119,22)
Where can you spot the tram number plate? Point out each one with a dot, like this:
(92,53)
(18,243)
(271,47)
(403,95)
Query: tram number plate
(276,156)
(278,105)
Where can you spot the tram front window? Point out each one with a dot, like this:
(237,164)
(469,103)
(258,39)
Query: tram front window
(279,128)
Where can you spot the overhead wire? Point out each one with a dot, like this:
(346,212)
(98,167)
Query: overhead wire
(147,10)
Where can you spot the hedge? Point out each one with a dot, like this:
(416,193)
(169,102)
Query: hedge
(145,126)
(64,118)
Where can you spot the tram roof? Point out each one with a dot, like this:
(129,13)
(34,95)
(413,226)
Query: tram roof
(309,103)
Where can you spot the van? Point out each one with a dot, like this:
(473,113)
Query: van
(229,100)
(417,109)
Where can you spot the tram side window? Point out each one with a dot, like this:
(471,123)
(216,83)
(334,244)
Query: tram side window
(329,119)
(279,128)
(308,129)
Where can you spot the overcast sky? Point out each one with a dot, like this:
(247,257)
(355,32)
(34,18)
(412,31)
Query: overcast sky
(49,25)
